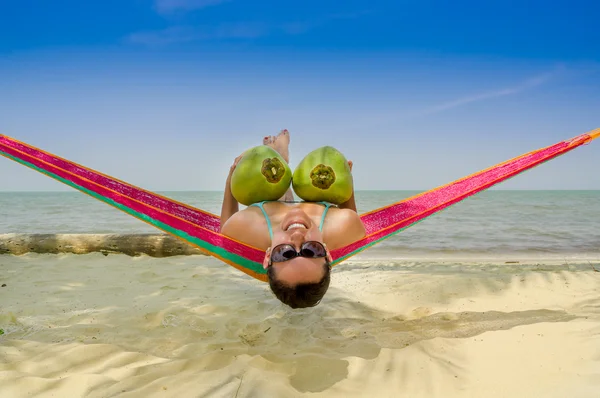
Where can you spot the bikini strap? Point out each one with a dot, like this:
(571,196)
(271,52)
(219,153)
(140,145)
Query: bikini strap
(260,205)
(327,206)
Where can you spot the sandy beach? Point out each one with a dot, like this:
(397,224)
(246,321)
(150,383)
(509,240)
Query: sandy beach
(99,325)
(464,137)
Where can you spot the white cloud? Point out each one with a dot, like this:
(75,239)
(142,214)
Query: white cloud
(184,34)
(528,84)
(170,6)
(175,34)
(242,30)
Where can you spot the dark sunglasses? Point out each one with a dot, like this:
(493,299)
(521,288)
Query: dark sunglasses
(286,252)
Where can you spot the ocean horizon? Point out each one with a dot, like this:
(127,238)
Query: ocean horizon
(493,224)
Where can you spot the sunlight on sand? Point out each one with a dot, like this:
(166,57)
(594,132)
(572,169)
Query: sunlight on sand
(102,326)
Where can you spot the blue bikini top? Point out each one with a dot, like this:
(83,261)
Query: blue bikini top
(261,206)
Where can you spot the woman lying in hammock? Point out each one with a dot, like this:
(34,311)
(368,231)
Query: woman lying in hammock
(298,236)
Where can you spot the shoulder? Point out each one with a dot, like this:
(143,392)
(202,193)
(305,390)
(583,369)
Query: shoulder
(346,217)
(236,220)
(343,228)
(246,226)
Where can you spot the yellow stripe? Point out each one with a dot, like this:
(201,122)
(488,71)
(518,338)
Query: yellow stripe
(575,141)
(109,177)
(135,200)
(260,277)
(593,134)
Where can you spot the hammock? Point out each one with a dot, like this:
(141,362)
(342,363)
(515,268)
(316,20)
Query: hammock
(201,229)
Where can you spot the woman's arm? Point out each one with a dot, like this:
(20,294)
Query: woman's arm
(230,205)
(350,203)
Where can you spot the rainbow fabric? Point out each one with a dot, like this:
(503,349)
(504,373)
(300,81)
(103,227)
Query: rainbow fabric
(201,229)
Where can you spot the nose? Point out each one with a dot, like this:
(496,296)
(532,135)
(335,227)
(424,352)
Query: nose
(297,239)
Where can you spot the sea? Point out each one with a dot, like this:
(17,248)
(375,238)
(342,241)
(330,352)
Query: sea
(495,224)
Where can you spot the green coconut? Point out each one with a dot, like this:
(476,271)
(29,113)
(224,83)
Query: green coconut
(261,174)
(323,175)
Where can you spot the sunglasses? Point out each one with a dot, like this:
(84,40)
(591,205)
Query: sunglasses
(286,252)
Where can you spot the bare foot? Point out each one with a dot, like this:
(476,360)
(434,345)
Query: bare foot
(282,144)
(269,140)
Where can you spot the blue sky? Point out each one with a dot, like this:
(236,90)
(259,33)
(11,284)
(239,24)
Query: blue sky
(166,93)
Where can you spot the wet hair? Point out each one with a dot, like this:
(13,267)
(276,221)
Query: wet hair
(302,295)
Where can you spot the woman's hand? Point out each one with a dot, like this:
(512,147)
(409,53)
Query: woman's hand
(350,203)
(235,163)
(230,205)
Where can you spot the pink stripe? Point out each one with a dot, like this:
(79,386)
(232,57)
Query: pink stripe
(198,217)
(379,224)
(406,209)
(206,235)
(393,218)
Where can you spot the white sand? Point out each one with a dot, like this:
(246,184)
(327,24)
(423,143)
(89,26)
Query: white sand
(96,326)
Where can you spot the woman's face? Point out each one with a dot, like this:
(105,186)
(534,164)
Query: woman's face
(295,229)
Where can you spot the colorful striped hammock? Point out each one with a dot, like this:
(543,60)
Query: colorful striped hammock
(201,229)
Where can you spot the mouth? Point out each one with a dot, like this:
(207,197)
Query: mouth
(296,225)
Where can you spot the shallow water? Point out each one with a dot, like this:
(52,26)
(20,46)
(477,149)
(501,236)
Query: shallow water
(528,223)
